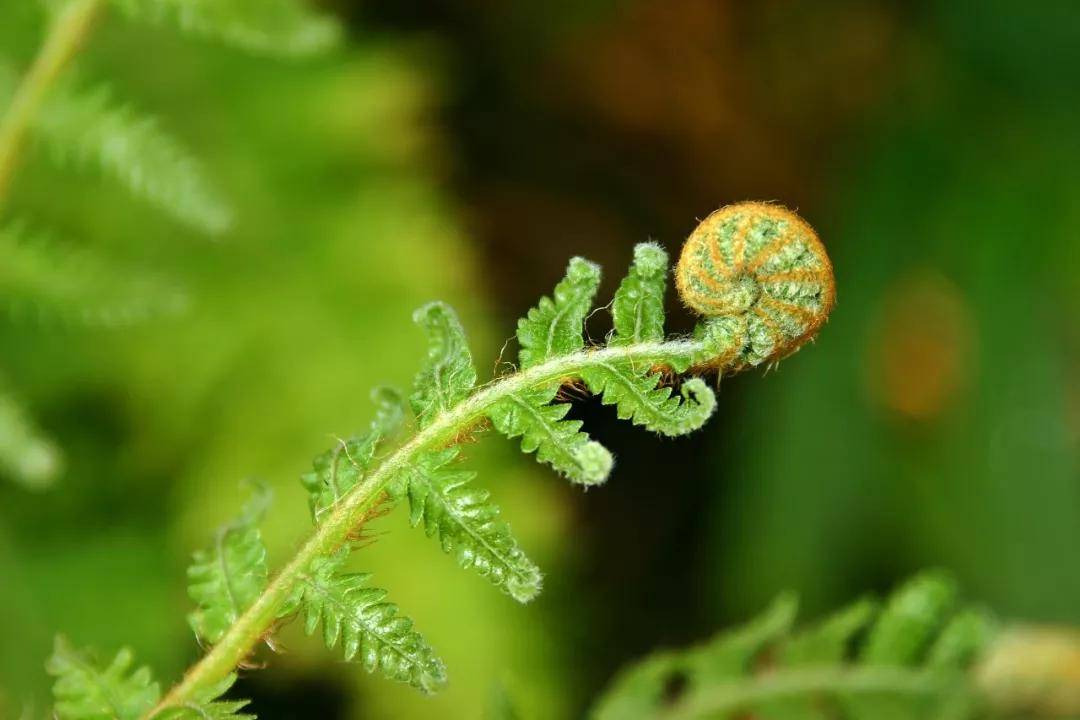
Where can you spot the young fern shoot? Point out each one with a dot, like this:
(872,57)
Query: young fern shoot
(765,283)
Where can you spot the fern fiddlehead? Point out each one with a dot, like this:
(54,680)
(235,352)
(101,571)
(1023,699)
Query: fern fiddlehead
(351,483)
(762,272)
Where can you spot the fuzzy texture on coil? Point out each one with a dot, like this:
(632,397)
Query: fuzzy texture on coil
(761,277)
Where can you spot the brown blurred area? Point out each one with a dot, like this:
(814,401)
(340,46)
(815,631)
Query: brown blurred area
(587,136)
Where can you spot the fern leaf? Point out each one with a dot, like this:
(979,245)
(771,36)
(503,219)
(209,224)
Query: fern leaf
(225,579)
(26,456)
(638,307)
(339,470)
(368,626)
(92,129)
(554,327)
(448,375)
(208,705)
(556,441)
(83,691)
(819,674)
(47,280)
(274,27)
(466,523)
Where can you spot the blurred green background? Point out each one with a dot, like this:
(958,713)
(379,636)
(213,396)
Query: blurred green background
(464,150)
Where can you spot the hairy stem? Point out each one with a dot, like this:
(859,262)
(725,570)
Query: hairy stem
(66,35)
(722,700)
(350,511)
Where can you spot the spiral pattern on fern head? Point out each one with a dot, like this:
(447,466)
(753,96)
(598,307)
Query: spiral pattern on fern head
(761,277)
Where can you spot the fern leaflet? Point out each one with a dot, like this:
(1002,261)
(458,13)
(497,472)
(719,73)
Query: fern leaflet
(466,523)
(637,311)
(554,326)
(228,577)
(449,375)
(368,626)
(543,429)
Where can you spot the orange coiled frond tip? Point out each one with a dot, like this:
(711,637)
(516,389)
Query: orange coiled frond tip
(761,277)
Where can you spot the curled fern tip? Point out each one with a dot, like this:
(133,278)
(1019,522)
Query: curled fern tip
(761,277)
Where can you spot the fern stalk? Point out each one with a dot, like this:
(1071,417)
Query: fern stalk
(66,36)
(354,507)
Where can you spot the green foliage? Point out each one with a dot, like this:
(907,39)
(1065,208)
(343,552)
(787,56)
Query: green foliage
(279,27)
(89,128)
(466,523)
(367,626)
(84,691)
(449,374)
(906,662)
(339,469)
(226,578)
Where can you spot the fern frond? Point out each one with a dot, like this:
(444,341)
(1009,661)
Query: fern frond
(225,579)
(467,524)
(543,429)
(367,626)
(44,279)
(637,311)
(339,469)
(554,326)
(207,705)
(84,691)
(273,27)
(26,456)
(448,375)
(350,482)
(823,673)
(89,128)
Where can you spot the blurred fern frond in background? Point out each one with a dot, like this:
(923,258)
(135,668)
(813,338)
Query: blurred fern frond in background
(920,655)
(86,127)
